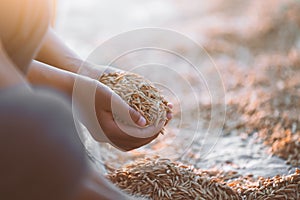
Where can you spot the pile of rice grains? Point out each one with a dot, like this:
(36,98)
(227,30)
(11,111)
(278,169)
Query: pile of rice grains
(157,179)
(270,106)
(263,95)
(140,94)
(262,100)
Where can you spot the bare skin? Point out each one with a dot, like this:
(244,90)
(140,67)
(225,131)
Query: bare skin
(32,54)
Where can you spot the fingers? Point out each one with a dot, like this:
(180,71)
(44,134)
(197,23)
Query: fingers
(139,132)
(110,69)
(170,105)
(120,109)
(123,126)
(124,139)
(169,114)
(123,112)
(137,117)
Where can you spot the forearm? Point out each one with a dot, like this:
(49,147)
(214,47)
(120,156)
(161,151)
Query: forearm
(56,53)
(45,75)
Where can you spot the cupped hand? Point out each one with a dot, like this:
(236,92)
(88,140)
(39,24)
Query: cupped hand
(109,69)
(123,126)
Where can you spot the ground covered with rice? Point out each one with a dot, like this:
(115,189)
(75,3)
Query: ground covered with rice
(256,46)
(157,178)
(261,73)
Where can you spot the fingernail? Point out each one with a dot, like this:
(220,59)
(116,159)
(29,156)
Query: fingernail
(169,116)
(142,121)
(170,105)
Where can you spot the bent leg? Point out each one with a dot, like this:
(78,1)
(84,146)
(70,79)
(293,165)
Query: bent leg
(41,154)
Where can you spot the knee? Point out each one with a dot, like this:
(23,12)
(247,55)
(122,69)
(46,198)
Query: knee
(41,148)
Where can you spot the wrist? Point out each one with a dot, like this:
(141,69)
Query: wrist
(45,75)
(91,70)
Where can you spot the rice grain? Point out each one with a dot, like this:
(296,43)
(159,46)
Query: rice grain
(140,94)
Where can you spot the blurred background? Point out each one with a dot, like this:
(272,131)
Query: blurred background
(269,25)
(254,43)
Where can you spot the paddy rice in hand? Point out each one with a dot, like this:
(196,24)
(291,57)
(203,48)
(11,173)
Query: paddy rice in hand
(140,94)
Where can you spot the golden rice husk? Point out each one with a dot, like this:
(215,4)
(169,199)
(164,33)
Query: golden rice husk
(140,94)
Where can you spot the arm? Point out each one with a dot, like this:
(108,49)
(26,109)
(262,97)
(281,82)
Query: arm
(43,74)
(46,75)
(56,53)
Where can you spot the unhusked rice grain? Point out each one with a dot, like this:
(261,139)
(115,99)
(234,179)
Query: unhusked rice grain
(162,179)
(157,178)
(139,93)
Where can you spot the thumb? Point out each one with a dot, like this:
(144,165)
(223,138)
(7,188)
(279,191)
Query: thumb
(137,117)
(123,112)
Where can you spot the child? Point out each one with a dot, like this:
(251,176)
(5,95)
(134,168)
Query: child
(41,155)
